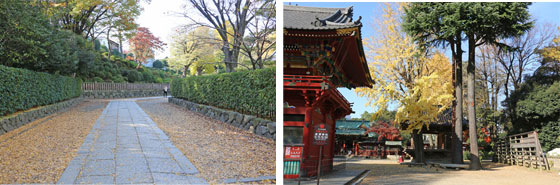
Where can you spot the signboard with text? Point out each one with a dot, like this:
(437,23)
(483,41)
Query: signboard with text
(293,152)
(321,135)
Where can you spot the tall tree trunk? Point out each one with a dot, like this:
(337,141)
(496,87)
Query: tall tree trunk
(457,156)
(496,86)
(475,161)
(228,58)
(235,57)
(120,44)
(109,43)
(418,147)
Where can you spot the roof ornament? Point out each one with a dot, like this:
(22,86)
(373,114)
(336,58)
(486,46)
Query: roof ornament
(321,22)
(358,21)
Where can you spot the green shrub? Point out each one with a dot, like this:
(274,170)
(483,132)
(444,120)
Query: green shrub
(97,79)
(158,80)
(157,64)
(248,92)
(134,76)
(118,79)
(22,89)
(147,76)
(549,135)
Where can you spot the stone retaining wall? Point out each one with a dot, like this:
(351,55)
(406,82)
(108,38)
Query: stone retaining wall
(17,120)
(121,94)
(253,124)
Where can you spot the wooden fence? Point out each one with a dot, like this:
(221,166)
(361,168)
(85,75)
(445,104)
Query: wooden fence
(523,150)
(94,86)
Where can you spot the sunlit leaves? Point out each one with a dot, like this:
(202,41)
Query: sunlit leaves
(420,83)
(195,50)
(553,51)
(248,92)
(144,43)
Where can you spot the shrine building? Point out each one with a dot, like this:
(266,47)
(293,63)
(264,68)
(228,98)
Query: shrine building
(322,52)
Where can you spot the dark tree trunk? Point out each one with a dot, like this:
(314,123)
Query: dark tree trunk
(475,161)
(228,58)
(418,147)
(457,154)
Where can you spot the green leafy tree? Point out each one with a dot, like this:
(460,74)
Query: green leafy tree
(193,51)
(29,41)
(487,23)
(89,17)
(538,108)
(435,24)
(536,103)
(478,23)
(157,64)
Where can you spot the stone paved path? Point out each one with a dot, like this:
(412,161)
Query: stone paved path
(126,147)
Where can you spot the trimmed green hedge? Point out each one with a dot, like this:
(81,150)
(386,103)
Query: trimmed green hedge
(247,92)
(23,89)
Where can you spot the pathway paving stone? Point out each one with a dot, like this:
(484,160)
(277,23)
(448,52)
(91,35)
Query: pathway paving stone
(126,147)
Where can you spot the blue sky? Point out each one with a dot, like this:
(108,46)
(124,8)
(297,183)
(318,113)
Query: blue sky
(542,12)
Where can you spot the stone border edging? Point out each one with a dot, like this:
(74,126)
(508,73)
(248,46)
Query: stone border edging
(116,94)
(9,123)
(248,180)
(253,124)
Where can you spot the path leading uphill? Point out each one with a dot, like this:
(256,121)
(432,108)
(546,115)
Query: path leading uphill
(125,146)
(140,141)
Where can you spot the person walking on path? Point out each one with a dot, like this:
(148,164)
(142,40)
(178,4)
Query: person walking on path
(165,91)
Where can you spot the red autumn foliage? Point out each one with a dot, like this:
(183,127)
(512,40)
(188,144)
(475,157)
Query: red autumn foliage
(144,43)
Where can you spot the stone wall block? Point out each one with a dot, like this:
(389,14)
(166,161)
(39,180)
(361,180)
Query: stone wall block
(252,129)
(239,118)
(271,127)
(250,123)
(247,119)
(262,130)
(232,116)
(16,121)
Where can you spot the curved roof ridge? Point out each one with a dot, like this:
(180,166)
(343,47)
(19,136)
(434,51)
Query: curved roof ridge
(316,18)
(315,9)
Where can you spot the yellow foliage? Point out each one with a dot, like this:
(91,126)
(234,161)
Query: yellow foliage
(420,83)
(553,52)
(195,50)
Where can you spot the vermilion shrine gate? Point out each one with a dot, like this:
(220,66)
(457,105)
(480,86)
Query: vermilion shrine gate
(322,51)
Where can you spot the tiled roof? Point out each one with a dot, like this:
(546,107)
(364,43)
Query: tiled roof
(351,124)
(351,127)
(314,18)
(351,132)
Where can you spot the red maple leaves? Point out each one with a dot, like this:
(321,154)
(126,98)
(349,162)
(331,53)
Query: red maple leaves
(144,43)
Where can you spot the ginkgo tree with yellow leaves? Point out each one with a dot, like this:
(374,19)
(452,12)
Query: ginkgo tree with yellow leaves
(553,51)
(417,79)
(194,51)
